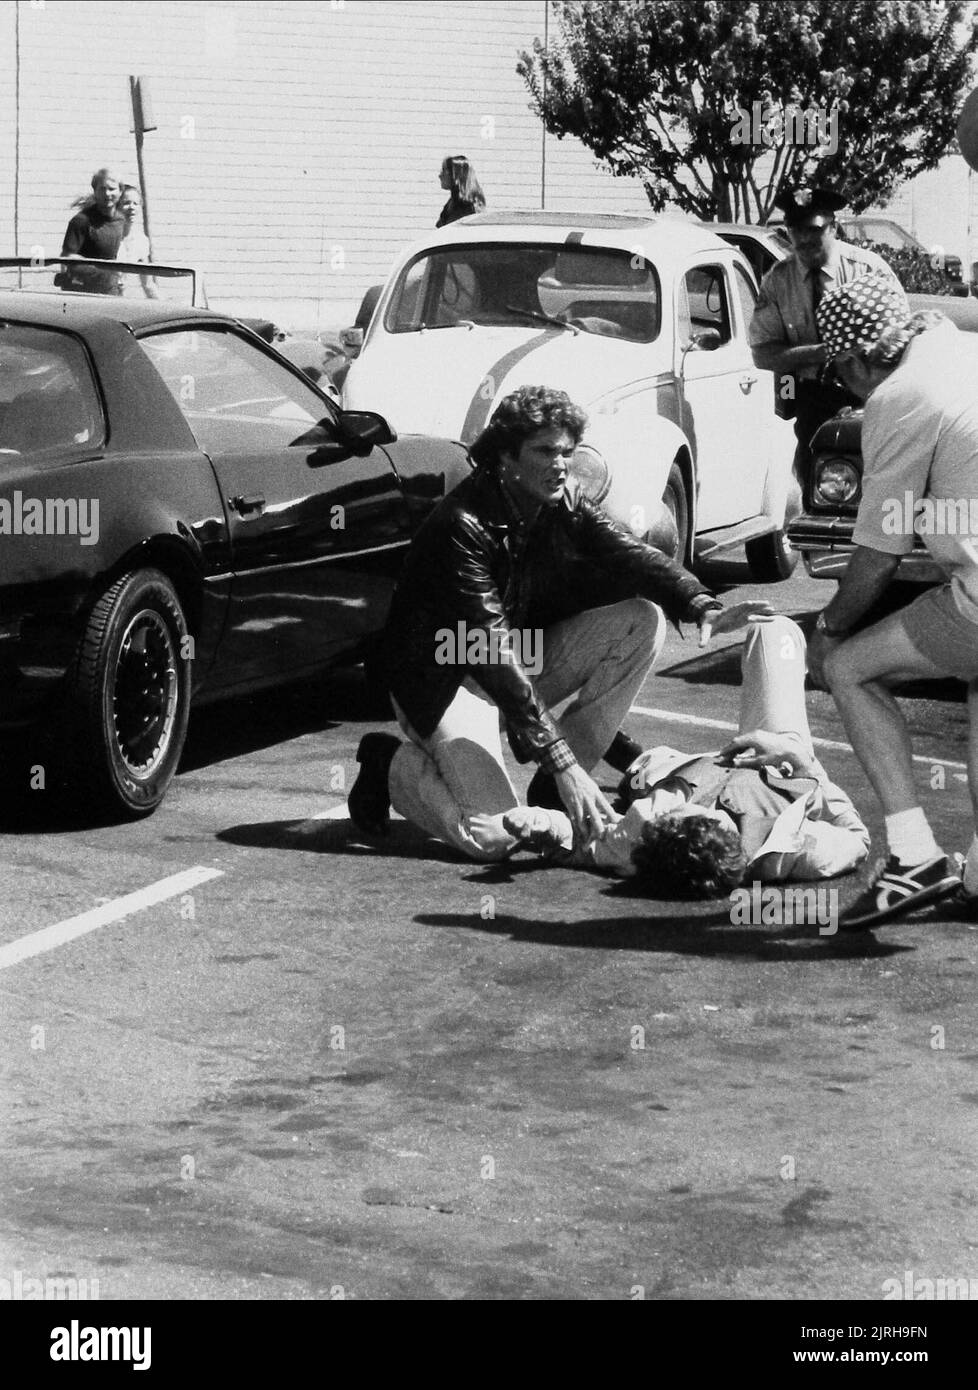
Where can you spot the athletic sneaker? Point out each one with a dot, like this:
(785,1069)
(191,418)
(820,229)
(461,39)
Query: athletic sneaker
(896,890)
(960,905)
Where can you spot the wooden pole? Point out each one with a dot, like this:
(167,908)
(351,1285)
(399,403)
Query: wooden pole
(137,125)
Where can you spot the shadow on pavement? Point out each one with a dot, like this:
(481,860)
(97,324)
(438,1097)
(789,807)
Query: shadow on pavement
(339,837)
(710,935)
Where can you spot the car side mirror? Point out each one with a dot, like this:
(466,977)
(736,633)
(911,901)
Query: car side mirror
(355,432)
(706,341)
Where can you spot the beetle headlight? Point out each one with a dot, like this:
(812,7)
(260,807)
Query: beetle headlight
(836,481)
(590,471)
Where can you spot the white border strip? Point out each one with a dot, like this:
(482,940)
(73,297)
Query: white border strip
(49,937)
(669,716)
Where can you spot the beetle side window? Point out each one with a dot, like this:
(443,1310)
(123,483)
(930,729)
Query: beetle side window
(233,396)
(48,398)
(746,293)
(706,304)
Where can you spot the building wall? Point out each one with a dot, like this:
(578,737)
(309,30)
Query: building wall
(298,141)
(298,144)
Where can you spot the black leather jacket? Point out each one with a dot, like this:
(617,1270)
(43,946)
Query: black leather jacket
(475,562)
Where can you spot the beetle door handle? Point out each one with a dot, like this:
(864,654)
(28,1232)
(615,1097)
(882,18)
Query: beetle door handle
(746,382)
(248,506)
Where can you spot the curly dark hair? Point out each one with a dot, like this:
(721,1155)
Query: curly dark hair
(689,857)
(524,413)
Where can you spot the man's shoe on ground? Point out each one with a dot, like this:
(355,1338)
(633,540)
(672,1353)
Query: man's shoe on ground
(369,804)
(959,905)
(542,791)
(897,890)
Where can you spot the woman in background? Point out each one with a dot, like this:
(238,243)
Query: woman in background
(465,195)
(134,245)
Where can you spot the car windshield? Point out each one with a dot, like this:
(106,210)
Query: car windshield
(48,399)
(170,284)
(515,285)
(888,234)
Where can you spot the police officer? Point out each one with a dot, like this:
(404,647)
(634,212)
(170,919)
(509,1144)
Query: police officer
(783,335)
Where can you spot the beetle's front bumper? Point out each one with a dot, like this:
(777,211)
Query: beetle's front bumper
(825,543)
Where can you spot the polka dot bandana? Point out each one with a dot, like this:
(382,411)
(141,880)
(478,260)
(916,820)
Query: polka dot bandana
(856,315)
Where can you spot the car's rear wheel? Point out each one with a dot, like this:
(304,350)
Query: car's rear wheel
(129,695)
(676,541)
(771,557)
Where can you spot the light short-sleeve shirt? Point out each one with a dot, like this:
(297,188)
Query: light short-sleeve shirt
(920,459)
(785,311)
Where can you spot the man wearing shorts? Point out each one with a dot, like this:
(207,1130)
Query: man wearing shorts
(919,379)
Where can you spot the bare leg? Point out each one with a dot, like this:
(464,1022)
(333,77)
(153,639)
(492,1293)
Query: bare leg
(860,672)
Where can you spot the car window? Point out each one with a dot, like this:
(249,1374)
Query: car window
(235,397)
(746,293)
(512,285)
(48,396)
(704,303)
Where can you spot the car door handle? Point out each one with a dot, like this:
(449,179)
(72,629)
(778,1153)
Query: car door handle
(746,382)
(248,506)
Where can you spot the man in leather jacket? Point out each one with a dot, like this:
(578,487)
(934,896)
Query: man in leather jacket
(514,561)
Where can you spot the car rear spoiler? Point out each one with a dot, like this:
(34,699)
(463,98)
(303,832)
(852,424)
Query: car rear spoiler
(33,264)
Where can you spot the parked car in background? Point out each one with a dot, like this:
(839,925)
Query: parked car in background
(905,253)
(642,321)
(183,516)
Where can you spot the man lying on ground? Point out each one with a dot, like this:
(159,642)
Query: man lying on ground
(698,823)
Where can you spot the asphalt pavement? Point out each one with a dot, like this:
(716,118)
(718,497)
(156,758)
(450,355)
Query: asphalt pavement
(256,1057)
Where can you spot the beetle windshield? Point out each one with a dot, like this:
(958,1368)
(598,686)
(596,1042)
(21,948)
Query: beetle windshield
(515,285)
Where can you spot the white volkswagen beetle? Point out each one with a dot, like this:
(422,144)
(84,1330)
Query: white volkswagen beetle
(642,321)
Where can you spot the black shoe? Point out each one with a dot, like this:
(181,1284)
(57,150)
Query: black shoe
(542,791)
(369,802)
(896,890)
(622,753)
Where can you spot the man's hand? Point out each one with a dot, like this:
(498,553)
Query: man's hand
(717,621)
(760,748)
(586,804)
(819,647)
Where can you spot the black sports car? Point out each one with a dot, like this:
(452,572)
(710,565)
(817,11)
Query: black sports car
(183,515)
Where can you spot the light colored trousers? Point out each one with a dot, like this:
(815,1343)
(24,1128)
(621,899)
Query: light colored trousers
(603,654)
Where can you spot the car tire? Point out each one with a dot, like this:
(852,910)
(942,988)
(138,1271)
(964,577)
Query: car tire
(772,557)
(675,502)
(129,696)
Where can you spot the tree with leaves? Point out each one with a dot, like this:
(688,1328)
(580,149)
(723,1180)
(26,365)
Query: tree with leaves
(715,105)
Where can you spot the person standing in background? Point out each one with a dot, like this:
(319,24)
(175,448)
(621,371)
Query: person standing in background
(95,232)
(465,195)
(134,245)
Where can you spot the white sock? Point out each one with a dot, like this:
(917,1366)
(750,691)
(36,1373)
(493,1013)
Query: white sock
(971,868)
(910,838)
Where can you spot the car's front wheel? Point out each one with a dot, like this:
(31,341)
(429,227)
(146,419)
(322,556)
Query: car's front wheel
(129,695)
(771,557)
(672,535)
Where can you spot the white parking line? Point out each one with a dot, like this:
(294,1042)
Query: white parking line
(49,937)
(669,716)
